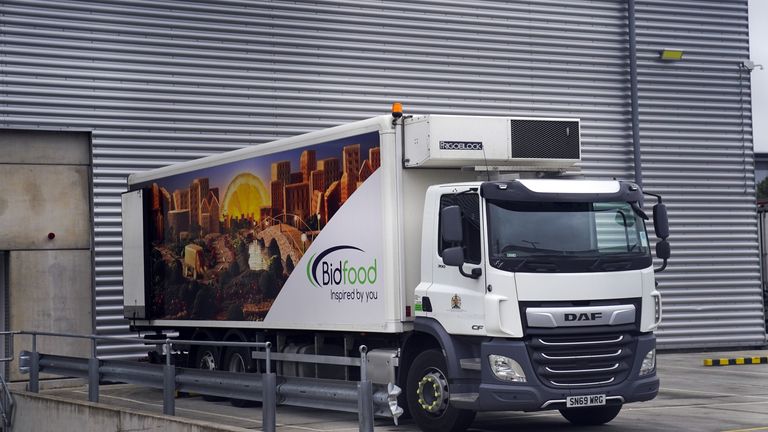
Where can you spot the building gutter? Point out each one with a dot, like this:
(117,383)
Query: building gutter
(635,108)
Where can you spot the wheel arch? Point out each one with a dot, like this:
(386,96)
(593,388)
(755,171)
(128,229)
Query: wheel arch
(235,335)
(429,334)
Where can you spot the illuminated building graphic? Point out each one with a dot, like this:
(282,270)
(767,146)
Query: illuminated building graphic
(198,190)
(331,202)
(281,171)
(178,222)
(181,199)
(307,163)
(277,189)
(331,169)
(317,181)
(297,200)
(214,217)
(374,156)
(351,167)
(365,172)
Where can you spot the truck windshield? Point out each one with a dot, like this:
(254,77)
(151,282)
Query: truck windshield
(566,237)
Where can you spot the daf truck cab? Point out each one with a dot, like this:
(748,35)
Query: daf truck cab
(542,294)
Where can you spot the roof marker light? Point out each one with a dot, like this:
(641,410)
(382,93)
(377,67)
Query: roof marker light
(397,110)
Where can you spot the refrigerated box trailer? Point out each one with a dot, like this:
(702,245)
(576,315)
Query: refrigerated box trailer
(480,274)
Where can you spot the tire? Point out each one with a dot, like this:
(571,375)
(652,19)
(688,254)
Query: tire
(208,358)
(591,416)
(428,396)
(237,360)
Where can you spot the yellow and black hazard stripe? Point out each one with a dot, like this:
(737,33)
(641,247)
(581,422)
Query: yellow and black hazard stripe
(735,361)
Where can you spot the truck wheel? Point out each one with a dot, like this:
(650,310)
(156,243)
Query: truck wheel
(591,416)
(428,396)
(237,361)
(208,358)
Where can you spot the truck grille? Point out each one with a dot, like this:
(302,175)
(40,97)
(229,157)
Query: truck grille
(575,361)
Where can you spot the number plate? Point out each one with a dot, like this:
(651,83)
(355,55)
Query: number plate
(584,401)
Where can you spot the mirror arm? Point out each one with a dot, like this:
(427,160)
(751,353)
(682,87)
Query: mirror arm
(661,269)
(658,197)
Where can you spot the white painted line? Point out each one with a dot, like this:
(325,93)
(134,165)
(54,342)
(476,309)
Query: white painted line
(714,405)
(712,393)
(761,428)
(717,368)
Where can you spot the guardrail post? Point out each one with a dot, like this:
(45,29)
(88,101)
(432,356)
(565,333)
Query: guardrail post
(34,367)
(169,382)
(365,394)
(93,374)
(269,395)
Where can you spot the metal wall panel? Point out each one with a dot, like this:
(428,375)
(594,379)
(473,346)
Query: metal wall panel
(160,82)
(696,141)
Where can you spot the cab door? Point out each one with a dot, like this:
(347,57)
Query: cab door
(458,301)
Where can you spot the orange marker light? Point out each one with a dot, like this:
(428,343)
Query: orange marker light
(397,110)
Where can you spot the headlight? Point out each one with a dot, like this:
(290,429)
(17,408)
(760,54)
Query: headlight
(506,369)
(649,363)
(657,309)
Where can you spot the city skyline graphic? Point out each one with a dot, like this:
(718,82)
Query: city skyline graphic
(226,238)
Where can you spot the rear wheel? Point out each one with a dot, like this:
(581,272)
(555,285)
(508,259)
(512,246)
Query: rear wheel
(237,361)
(591,416)
(428,396)
(207,358)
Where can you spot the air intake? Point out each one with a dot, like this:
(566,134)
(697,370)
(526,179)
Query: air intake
(544,139)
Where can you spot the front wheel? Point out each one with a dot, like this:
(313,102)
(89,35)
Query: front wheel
(591,416)
(428,396)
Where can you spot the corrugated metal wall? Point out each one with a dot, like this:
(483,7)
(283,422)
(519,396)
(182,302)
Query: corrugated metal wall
(165,81)
(696,140)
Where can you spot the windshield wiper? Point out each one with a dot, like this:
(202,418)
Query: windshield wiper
(638,210)
(612,263)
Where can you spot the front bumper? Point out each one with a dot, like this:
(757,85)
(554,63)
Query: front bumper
(533,395)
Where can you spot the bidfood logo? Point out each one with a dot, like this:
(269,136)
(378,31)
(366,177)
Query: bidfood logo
(323,271)
(345,268)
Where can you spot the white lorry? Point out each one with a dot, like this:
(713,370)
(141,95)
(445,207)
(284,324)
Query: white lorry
(446,244)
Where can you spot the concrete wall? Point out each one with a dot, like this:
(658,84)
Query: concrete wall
(43,413)
(45,188)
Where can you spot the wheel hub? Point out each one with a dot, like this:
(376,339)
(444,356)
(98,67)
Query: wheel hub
(433,393)
(208,361)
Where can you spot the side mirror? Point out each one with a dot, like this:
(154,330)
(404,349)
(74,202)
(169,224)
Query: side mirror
(450,225)
(660,221)
(453,256)
(663,251)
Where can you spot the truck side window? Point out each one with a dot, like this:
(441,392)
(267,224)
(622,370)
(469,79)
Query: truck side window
(470,211)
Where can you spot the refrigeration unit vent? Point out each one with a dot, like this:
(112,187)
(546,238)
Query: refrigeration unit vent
(545,139)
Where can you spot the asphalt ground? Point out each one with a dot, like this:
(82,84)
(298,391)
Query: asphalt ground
(693,397)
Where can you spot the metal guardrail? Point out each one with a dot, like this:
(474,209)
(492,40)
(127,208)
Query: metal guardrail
(348,396)
(7,403)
